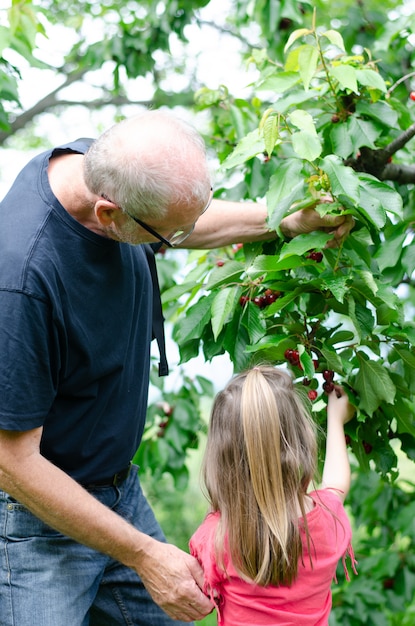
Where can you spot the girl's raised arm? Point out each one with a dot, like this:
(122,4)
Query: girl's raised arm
(336,471)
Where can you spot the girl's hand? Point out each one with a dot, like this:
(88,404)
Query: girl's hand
(338,406)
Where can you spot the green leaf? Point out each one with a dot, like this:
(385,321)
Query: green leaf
(404,418)
(308,58)
(229,272)
(332,359)
(341,141)
(281,303)
(306,362)
(222,308)
(369,280)
(303,120)
(279,82)
(370,78)
(361,317)
(192,325)
(371,208)
(306,145)
(346,77)
(338,285)
(254,322)
(235,343)
(239,121)
(341,336)
(176,291)
(407,359)
(285,187)
(388,254)
(379,111)
(276,343)
(362,132)
(5,38)
(303,243)
(247,148)
(389,199)
(373,384)
(408,259)
(271,133)
(343,180)
(296,34)
(266,263)
(334,37)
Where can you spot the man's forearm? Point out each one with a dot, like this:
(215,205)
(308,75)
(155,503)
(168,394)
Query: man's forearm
(173,578)
(60,502)
(225,223)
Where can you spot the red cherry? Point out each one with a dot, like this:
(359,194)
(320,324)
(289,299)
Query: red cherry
(412,95)
(367,446)
(335,119)
(306,382)
(328,386)
(295,358)
(328,375)
(220,263)
(260,301)
(312,394)
(348,440)
(316,364)
(271,297)
(243,300)
(288,354)
(388,583)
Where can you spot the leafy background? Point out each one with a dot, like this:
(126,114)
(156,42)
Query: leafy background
(327,113)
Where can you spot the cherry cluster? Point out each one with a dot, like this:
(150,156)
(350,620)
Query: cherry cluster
(328,384)
(293,358)
(263,300)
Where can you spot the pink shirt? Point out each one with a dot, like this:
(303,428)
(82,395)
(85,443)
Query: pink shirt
(308,601)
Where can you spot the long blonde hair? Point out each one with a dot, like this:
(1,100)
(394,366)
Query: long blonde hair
(260,457)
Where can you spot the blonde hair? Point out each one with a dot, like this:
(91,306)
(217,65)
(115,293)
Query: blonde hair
(260,458)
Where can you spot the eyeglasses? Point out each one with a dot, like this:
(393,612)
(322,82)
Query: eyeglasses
(177,236)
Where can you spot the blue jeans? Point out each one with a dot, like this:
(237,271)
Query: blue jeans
(48,579)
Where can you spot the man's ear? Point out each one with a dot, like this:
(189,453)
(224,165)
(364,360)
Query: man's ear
(106,212)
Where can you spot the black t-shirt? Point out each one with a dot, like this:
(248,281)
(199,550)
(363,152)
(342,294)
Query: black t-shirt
(75,330)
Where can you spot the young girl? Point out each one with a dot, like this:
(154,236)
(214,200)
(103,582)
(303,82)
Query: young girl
(269,549)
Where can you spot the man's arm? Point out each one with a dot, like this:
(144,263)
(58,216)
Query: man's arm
(172,577)
(336,470)
(226,222)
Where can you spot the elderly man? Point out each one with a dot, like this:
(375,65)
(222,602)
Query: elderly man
(80,544)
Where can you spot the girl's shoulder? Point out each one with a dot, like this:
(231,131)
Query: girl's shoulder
(206,529)
(327,498)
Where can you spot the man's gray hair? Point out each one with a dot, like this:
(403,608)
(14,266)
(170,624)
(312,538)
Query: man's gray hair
(146,163)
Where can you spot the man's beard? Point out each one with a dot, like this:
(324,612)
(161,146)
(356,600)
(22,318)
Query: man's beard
(127,233)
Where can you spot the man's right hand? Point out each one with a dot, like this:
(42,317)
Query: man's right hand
(174,580)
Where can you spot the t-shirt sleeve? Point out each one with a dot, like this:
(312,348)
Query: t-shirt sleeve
(202,547)
(338,518)
(28,363)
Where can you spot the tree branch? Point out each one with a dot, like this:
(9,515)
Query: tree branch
(52,100)
(377,162)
